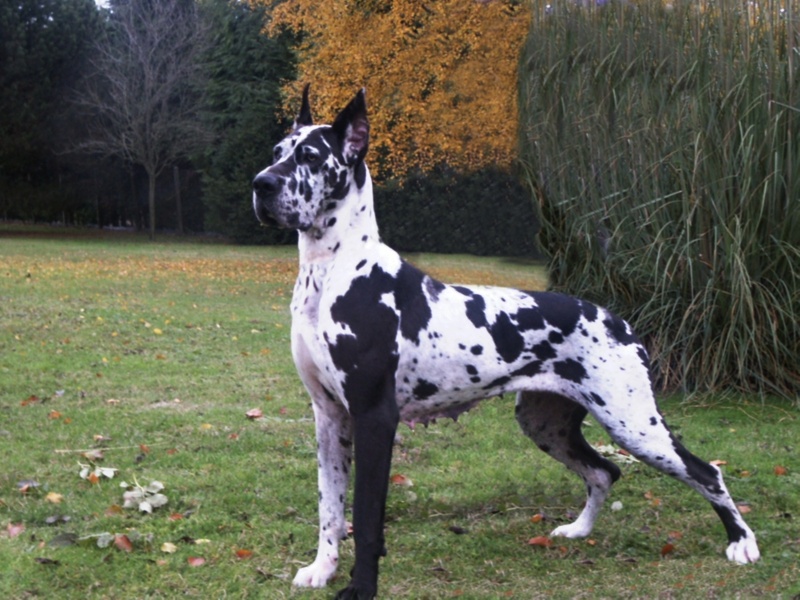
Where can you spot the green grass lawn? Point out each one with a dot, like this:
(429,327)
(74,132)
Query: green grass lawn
(146,358)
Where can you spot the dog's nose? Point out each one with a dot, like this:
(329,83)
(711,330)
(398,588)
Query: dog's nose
(265,184)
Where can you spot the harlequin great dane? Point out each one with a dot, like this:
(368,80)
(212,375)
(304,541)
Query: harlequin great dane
(376,341)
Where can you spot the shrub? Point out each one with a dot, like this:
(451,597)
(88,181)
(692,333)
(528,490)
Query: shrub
(660,143)
(486,213)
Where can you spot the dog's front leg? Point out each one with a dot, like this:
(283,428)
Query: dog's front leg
(375,429)
(334,456)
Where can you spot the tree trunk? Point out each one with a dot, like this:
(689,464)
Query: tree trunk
(151,201)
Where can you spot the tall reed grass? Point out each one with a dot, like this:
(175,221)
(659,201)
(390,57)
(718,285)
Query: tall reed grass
(661,141)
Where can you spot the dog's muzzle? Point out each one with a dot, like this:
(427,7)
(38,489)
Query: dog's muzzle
(266,187)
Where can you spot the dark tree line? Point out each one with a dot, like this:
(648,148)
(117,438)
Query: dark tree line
(156,114)
(150,113)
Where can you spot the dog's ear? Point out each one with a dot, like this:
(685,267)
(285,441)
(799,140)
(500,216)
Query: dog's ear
(352,128)
(304,117)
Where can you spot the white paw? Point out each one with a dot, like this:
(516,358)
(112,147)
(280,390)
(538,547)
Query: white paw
(317,574)
(744,551)
(573,530)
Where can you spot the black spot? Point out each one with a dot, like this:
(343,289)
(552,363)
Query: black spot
(555,337)
(618,330)
(562,312)
(571,370)
(529,370)
(643,357)
(597,399)
(477,349)
(463,290)
(433,287)
(589,310)
(472,370)
(361,264)
(653,421)
(529,318)
(544,351)
(507,338)
(476,307)
(411,302)
(424,389)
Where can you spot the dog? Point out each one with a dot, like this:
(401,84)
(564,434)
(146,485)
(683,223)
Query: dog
(376,341)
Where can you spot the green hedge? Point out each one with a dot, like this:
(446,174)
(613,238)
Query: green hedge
(662,146)
(486,213)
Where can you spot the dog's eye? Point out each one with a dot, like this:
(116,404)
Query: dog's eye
(309,154)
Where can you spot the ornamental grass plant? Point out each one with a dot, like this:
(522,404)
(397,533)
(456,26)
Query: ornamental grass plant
(661,143)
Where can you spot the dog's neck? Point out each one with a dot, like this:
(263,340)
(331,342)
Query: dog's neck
(355,228)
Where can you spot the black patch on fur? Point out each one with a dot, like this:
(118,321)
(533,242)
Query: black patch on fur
(618,330)
(589,310)
(597,399)
(530,318)
(544,351)
(507,338)
(424,389)
(571,370)
(368,355)
(477,349)
(562,312)
(476,310)
(415,314)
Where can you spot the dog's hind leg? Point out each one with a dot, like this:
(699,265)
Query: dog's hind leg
(553,422)
(645,435)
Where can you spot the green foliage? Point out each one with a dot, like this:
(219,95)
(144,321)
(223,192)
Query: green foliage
(486,212)
(661,144)
(42,44)
(246,70)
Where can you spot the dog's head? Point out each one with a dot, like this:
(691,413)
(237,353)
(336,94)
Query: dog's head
(314,169)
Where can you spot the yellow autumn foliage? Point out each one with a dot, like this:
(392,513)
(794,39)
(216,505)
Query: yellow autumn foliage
(441,76)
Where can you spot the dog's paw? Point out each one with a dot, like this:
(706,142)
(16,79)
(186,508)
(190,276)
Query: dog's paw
(573,530)
(744,551)
(353,592)
(317,574)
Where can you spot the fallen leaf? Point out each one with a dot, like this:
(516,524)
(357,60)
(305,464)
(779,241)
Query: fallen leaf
(254,413)
(54,414)
(113,510)
(26,485)
(591,542)
(169,547)
(400,479)
(196,561)
(242,554)
(93,478)
(780,471)
(93,455)
(175,517)
(54,498)
(719,463)
(46,561)
(14,529)
(540,540)
(144,448)
(744,508)
(29,400)
(667,549)
(123,542)
(537,517)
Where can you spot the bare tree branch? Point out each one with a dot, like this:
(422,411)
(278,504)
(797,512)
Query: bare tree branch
(144,94)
